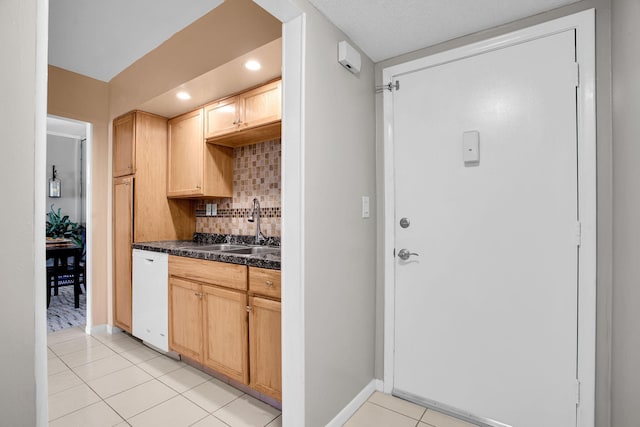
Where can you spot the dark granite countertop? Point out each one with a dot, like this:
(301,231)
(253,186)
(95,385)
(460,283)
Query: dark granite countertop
(196,249)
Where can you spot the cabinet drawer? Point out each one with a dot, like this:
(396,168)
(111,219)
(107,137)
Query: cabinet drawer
(264,282)
(212,272)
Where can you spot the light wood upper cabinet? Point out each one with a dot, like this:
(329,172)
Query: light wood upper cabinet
(186,154)
(185,317)
(196,169)
(261,106)
(124,148)
(225,340)
(155,216)
(248,118)
(265,342)
(221,117)
(122,239)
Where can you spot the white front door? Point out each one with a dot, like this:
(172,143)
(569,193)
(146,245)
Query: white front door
(486,313)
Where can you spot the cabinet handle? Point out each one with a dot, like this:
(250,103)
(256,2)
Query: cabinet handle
(248,308)
(269,283)
(199,294)
(198,187)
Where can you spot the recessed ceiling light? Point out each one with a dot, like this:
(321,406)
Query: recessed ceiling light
(183,95)
(252,65)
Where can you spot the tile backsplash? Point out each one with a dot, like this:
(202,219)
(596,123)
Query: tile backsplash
(256,173)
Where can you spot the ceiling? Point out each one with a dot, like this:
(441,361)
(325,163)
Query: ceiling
(227,79)
(100,38)
(387,28)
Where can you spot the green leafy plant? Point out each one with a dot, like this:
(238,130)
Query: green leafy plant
(59,226)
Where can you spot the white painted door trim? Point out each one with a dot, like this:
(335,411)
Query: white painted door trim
(293,153)
(584,24)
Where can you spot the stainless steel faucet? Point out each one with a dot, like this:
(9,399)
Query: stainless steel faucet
(254,215)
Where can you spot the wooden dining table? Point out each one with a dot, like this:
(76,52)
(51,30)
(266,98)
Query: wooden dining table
(60,251)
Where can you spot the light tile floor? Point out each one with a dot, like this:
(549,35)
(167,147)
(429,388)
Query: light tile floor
(114,380)
(383,410)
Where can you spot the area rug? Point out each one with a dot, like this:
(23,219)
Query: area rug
(61,313)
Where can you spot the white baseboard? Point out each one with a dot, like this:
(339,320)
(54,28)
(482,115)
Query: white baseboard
(355,404)
(96,329)
(113,329)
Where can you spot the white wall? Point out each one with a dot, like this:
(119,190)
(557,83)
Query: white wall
(22,120)
(64,153)
(604,182)
(339,246)
(626,208)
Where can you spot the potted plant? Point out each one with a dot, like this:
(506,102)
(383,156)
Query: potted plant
(61,227)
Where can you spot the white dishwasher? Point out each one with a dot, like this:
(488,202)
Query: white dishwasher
(150,298)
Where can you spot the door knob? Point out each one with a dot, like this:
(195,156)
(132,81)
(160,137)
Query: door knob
(405,254)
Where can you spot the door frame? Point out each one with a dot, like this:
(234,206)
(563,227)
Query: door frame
(87,166)
(584,24)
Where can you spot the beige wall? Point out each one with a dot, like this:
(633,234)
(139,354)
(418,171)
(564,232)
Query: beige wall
(604,183)
(21,308)
(626,208)
(339,168)
(78,97)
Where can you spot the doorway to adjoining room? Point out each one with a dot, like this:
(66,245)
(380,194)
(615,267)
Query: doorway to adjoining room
(66,223)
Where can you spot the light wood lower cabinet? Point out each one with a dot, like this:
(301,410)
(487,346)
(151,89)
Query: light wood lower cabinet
(225,339)
(122,239)
(265,342)
(265,337)
(227,317)
(208,320)
(185,317)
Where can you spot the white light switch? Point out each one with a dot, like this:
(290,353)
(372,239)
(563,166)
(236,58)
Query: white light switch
(365,207)
(471,147)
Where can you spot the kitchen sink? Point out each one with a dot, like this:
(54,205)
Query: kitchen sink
(253,250)
(219,247)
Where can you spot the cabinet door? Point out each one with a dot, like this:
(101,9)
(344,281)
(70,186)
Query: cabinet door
(261,106)
(124,149)
(185,318)
(122,239)
(226,334)
(186,155)
(155,216)
(265,346)
(221,117)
